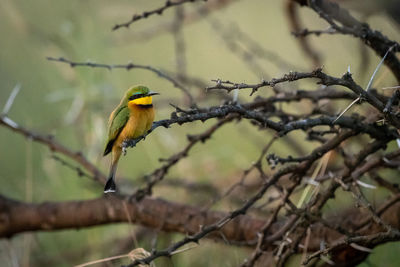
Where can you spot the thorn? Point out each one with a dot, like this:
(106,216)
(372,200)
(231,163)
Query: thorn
(391,87)
(235,95)
(370,186)
(346,109)
(377,68)
(9,122)
(11,99)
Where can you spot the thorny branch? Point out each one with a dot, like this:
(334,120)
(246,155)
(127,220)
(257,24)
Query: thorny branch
(346,81)
(189,17)
(343,22)
(128,67)
(158,11)
(158,174)
(54,146)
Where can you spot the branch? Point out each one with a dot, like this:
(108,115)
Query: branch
(295,172)
(280,127)
(332,13)
(17,217)
(190,17)
(368,241)
(55,146)
(306,32)
(346,81)
(158,174)
(128,67)
(295,26)
(146,14)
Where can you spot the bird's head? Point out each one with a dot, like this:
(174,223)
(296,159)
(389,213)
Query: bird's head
(139,95)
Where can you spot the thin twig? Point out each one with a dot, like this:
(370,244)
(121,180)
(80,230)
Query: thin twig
(128,67)
(146,14)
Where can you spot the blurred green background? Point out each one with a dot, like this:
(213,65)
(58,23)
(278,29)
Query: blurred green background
(73,105)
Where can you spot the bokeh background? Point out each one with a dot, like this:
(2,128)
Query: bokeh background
(73,105)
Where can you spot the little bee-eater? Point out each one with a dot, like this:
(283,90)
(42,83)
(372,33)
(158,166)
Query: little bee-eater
(131,119)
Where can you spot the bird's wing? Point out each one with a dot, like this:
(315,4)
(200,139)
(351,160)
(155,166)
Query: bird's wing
(116,123)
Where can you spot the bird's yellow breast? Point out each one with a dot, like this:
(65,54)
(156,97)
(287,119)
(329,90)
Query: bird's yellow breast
(139,123)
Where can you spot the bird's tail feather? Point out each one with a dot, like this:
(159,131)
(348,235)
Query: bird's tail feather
(110,186)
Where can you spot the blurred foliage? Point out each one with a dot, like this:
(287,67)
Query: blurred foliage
(73,105)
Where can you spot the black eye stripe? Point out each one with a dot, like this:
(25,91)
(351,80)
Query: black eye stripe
(136,96)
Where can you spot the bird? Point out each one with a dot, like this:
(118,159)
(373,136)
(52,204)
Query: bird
(132,118)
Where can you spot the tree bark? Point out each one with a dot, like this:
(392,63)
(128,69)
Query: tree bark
(17,217)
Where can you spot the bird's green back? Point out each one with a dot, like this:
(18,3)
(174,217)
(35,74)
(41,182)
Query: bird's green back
(116,123)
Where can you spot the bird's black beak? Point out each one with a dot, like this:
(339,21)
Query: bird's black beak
(152,93)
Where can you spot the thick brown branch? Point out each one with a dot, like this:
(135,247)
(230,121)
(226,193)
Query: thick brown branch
(17,217)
